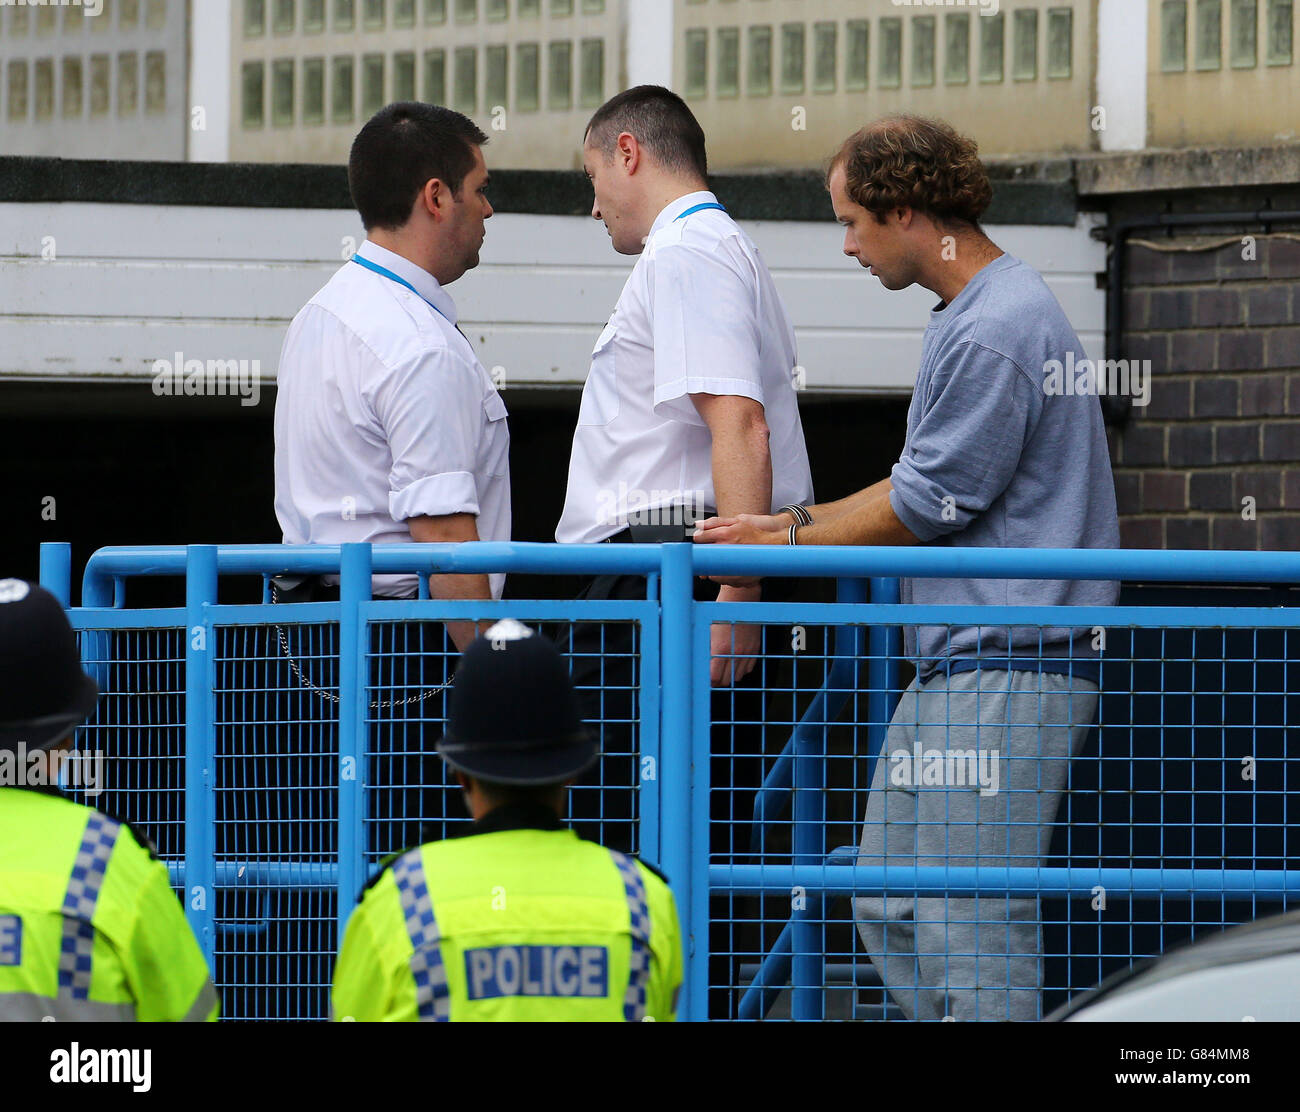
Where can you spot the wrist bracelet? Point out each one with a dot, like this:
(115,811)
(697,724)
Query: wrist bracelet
(801,516)
(793,530)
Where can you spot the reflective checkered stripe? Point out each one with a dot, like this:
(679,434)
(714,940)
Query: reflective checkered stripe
(11,940)
(638,980)
(432,1000)
(77,947)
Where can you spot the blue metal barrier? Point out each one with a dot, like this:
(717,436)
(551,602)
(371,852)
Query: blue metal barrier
(237,892)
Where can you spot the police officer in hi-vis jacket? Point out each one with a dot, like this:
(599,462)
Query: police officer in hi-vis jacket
(519,919)
(90,929)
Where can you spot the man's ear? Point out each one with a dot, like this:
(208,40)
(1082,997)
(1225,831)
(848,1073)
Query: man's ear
(629,151)
(434,198)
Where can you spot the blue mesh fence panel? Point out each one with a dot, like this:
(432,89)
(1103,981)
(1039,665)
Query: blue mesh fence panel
(1182,763)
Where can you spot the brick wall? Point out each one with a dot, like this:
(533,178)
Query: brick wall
(1223,421)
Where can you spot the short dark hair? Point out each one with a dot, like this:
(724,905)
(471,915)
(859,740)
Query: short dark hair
(914,162)
(661,122)
(401,149)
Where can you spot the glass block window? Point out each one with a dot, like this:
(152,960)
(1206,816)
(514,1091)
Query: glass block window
(101,84)
(728,79)
(760,62)
(592,80)
(435,77)
(404,76)
(825,57)
(857,54)
(1209,34)
(1244,32)
(372,84)
(891,53)
(282,76)
(17,89)
(956,48)
(1281,28)
(792,58)
(253,94)
(283,16)
(697,62)
(559,95)
(343,89)
(466,80)
(45,88)
(1025,44)
(993,37)
(528,76)
(313,90)
(72,88)
(1173,36)
(128,84)
(254,18)
(922,50)
(155,82)
(496,61)
(1060,43)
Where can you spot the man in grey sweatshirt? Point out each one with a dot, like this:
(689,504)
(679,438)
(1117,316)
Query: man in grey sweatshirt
(996,455)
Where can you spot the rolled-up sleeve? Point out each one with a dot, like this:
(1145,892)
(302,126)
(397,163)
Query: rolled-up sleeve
(706,334)
(431,411)
(965,448)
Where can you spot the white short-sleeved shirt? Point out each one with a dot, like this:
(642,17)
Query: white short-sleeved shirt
(699,314)
(384,413)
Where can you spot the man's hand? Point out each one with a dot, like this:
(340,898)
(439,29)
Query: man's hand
(734,648)
(743,529)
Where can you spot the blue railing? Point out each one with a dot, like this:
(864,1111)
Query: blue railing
(678,727)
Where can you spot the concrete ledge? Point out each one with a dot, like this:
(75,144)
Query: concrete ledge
(1196,168)
(1028,193)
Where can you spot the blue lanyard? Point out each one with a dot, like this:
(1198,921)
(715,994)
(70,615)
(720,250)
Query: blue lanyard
(401,282)
(701,208)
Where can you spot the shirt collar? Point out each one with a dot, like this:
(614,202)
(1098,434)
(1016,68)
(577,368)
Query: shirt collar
(426,285)
(679,206)
(970,289)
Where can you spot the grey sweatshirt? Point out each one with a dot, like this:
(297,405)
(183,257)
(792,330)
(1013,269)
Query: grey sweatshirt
(994,460)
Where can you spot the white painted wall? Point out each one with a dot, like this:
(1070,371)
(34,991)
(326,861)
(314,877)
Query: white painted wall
(210,24)
(648,39)
(1122,73)
(131,284)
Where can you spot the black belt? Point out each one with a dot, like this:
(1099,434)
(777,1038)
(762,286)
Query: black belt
(654,533)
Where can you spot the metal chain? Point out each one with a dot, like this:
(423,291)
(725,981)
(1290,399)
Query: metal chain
(330,695)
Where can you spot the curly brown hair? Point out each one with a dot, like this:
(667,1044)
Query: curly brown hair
(914,162)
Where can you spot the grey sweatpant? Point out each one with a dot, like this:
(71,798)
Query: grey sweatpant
(971,773)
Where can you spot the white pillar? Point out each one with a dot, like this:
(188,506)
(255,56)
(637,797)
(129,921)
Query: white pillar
(1122,73)
(648,39)
(209,66)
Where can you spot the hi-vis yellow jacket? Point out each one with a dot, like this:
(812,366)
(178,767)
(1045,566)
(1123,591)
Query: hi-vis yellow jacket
(89,927)
(518,923)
